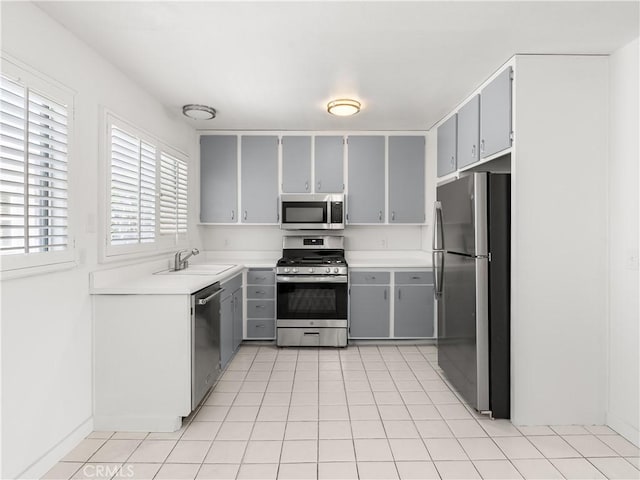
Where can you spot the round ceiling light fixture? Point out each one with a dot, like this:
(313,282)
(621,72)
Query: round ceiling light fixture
(343,107)
(199,112)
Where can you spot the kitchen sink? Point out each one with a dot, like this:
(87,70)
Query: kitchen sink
(198,269)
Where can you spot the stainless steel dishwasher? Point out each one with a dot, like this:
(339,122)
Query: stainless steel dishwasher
(205,341)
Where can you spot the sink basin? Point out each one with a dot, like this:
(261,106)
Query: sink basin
(199,269)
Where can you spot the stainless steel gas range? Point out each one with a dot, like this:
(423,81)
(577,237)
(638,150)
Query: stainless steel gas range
(312,292)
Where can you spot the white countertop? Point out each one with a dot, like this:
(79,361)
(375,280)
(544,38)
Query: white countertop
(389,259)
(161,284)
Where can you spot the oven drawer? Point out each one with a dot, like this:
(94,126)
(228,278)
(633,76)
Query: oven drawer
(312,337)
(370,278)
(424,277)
(260,277)
(264,292)
(261,309)
(261,328)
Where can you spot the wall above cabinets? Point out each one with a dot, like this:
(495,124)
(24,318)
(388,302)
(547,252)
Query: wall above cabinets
(242,175)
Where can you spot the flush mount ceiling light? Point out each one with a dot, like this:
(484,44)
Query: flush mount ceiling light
(199,112)
(343,107)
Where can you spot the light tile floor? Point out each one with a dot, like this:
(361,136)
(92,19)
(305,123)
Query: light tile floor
(365,412)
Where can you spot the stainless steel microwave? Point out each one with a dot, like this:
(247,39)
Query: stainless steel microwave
(321,211)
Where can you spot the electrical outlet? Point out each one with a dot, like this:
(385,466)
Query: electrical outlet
(632,260)
(383,243)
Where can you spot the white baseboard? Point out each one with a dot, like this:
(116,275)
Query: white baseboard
(53,456)
(137,423)
(628,431)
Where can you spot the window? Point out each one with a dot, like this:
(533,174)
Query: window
(34,159)
(147,192)
(173,195)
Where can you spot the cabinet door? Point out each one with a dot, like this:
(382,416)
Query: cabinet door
(447,146)
(219,178)
(329,156)
(365,203)
(296,164)
(226,330)
(237,319)
(406,179)
(413,311)
(495,115)
(259,179)
(369,311)
(469,132)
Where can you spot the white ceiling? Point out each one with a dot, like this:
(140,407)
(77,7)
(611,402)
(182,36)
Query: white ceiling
(275,65)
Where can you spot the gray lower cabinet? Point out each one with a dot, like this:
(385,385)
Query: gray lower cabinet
(237,319)
(469,132)
(369,311)
(219,179)
(329,161)
(495,114)
(366,202)
(406,179)
(230,318)
(413,311)
(259,178)
(261,314)
(447,147)
(296,164)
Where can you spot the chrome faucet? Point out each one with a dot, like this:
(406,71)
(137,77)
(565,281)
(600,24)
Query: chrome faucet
(182,263)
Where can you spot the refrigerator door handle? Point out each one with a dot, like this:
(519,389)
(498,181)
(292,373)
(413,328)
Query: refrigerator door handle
(438,272)
(438,233)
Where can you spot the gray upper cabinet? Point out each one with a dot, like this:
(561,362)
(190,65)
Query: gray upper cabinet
(469,132)
(296,164)
(329,155)
(447,146)
(495,115)
(219,179)
(366,200)
(406,179)
(413,311)
(259,179)
(370,314)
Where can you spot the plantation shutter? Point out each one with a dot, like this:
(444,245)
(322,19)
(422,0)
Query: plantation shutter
(133,189)
(173,195)
(33,164)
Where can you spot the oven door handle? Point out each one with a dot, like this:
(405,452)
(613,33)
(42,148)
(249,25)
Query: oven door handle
(311,278)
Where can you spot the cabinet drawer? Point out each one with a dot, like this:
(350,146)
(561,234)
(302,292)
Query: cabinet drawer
(232,284)
(259,291)
(411,278)
(370,278)
(260,309)
(261,328)
(260,277)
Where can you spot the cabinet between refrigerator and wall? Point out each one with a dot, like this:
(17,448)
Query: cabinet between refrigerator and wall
(391,304)
(239,175)
(480,128)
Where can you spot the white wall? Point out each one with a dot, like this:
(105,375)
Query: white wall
(623,315)
(558,309)
(46,320)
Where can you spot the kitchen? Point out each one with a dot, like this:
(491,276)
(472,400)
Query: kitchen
(575,355)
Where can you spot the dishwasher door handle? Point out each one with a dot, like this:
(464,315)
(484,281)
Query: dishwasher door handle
(203,301)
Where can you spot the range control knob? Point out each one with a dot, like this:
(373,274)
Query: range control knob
(295,270)
(336,270)
(286,269)
(328,269)
(311,270)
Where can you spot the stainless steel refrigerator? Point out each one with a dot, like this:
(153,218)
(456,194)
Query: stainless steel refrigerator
(471,258)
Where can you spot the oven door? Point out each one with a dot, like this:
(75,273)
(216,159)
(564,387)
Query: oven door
(310,297)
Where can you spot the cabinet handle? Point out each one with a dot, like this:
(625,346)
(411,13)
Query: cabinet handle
(399,294)
(372,277)
(482,146)
(245,214)
(259,306)
(233,214)
(319,186)
(393,215)
(259,325)
(415,277)
(261,278)
(260,292)
(306,185)
(380,215)
(453,160)
(473,151)
(385,293)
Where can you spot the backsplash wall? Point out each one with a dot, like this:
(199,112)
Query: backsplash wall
(261,238)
